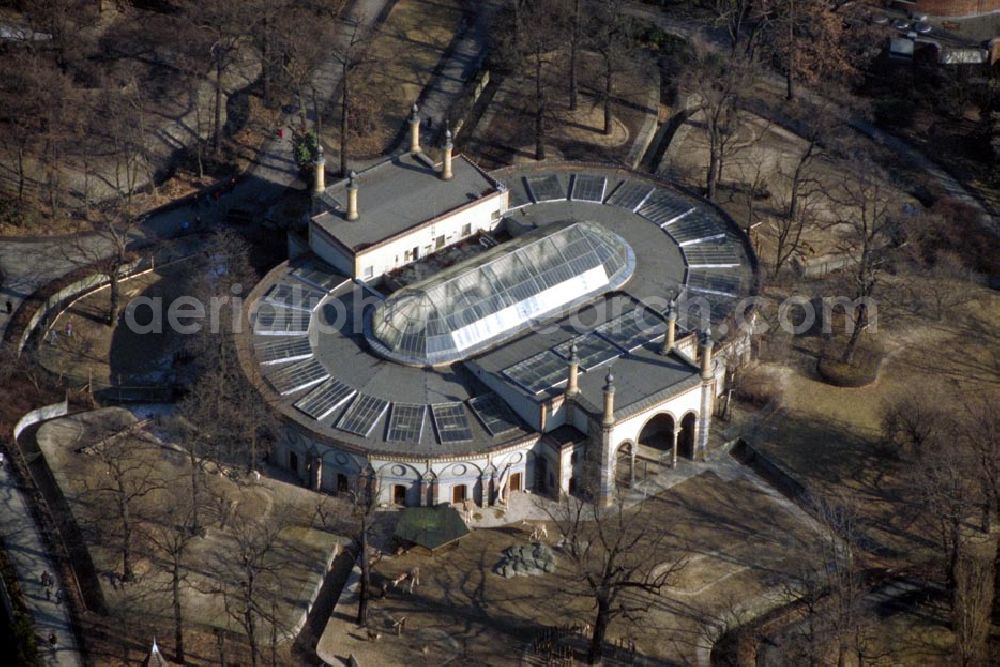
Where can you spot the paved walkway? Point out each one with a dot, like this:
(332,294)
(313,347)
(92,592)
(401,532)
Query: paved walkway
(459,68)
(27,553)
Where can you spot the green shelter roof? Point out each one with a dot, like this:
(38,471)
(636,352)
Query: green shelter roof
(431,527)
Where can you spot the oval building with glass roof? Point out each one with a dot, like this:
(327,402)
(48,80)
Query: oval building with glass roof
(463,335)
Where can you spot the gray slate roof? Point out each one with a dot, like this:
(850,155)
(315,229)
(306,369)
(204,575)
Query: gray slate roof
(399,194)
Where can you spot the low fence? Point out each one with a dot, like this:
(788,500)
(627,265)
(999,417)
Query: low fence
(37,415)
(68,295)
(64,297)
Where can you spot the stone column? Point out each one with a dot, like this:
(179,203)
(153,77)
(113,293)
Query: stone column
(707,391)
(573,382)
(606,481)
(631,466)
(485,496)
(317,473)
(673,449)
(671,335)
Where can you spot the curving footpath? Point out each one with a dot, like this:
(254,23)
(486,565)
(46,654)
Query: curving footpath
(30,558)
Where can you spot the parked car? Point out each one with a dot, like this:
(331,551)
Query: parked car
(923,28)
(901,24)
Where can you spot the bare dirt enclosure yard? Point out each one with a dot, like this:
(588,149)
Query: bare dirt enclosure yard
(258,532)
(740,540)
(505,133)
(398,65)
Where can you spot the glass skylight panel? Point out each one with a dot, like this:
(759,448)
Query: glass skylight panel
(695,228)
(518,196)
(495,415)
(663,206)
(545,188)
(276,350)
(714,281)
(591,351)
(360,418)
(721,253)
(297,376)
(319,275)
(406,422)
(630,195)
(451,422)
(323,400)
(701,310)
(446,319)
(539,373)
(633,329)
(295,295)
(272,320)
(588,187)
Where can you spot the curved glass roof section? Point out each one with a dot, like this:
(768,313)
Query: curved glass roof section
(491,297)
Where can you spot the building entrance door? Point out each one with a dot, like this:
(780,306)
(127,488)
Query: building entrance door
(515,482)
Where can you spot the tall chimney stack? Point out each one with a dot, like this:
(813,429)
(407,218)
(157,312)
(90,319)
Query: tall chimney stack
(446,167)
(609,400)
(671,336)
(573,385)
(415,129)
(352,197)
(319,172)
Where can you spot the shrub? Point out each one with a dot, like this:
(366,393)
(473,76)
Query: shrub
(306,148)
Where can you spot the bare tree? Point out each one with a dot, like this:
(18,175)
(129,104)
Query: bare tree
(617,558)
(251,572)
(973,608)
(33,95)
(223,27)
(575,38)
(234,424)
(717,85)
(365,502)
(350,50)
(865,203)
(300,41)
(615,41)
(129,478)
(788,232)
(737,17)
(170,535)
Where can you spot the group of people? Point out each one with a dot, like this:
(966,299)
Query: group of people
(48,581)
